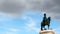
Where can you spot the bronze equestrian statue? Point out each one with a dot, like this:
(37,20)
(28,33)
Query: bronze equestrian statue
(46,21)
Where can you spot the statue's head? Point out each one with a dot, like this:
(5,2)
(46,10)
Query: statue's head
(44,14)
(49,18)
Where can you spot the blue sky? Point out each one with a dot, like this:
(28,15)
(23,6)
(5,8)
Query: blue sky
(29,23)
(25,16)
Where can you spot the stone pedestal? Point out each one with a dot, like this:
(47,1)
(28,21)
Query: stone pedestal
(47,32)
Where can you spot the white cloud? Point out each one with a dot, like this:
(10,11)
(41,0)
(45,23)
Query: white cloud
(10,33)
(32,26)
(13,29)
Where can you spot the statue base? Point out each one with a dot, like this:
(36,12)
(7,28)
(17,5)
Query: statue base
(47,32)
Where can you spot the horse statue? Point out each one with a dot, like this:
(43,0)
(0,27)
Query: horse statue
(46,21)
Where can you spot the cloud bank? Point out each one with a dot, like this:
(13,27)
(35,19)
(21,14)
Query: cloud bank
(51,7)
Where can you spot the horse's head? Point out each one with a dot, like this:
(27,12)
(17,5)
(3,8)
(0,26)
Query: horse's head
(49,18)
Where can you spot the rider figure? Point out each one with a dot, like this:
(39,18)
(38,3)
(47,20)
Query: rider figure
(44,18)
(44,21)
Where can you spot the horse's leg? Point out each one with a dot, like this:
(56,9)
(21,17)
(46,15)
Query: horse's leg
(48,26)
(41,27)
